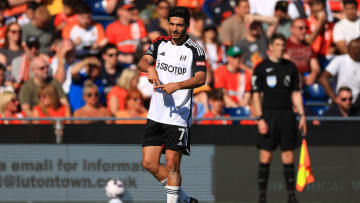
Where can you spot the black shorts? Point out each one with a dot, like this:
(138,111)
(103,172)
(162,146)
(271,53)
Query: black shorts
(283,130)
(170,136)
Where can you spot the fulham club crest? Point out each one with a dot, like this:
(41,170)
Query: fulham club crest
(182,58)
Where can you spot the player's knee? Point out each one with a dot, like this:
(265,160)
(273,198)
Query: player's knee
(150,166)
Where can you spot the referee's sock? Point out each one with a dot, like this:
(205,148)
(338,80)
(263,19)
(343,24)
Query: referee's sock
(263,177)
(172,193)
(289,174)
(183,197)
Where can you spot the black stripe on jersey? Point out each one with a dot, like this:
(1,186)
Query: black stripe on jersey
(199,49)
(196,57)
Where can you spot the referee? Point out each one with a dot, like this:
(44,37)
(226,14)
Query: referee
(275,85)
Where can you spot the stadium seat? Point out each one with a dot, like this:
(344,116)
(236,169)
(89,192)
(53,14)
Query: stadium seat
(315,92)
(99,14)
(237,112)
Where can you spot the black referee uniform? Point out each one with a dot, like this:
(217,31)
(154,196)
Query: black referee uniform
(277,81)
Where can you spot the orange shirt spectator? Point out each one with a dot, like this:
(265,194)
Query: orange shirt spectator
(116,98)
(126,37)
(134,107)
(2,35)
(324,39)
(67,16)
(86,37)
(49,112)
(68,20)
(86,34)
(8,108)
(126,33)
(120,95)
(49,105)
(15,10)
(235,84)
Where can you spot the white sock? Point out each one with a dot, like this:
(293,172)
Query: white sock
(172,193)
(183,197)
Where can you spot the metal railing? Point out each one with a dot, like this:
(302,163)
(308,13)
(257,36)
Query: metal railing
(59,121)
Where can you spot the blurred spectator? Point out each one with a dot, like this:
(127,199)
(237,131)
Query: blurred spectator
(149,11)
(215,52)
(347,70)
(235,82)
(20,66)
(218,10)
(41,27)
(87,69)
(17,7)
(255,44)
(159,26)
(112,69)
(12,47)
(216,100)
(115,99)
(86,34)
(281,12)
(300,53)
(49,105)
(347,29)
(63,62)
(233,29)
(68,16)
(194,5)
(125,33)
(197,22)
(263,8)
(92,107)
(5,85)
(9,108)
(29,91)
(144,86)
(110,6)
(3,6)
(134,108)
(296,10)
(343,105)
(28,15)
(302,9)
(319,29)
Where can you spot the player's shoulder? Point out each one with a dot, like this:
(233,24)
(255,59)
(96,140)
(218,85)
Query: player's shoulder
(161,39)
(197,48)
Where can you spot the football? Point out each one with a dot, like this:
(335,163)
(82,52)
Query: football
(114,188)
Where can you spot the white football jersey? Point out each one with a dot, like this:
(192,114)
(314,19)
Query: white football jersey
(174,63)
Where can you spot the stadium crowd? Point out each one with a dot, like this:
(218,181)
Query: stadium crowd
(63,58)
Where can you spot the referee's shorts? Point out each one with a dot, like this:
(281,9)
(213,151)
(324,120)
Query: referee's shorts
(282,131)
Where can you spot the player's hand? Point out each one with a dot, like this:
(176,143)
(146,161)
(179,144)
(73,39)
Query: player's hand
(153,76)
(169,88)
(302,125)
(262,127)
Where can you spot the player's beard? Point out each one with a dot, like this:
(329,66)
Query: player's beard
(182,34)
